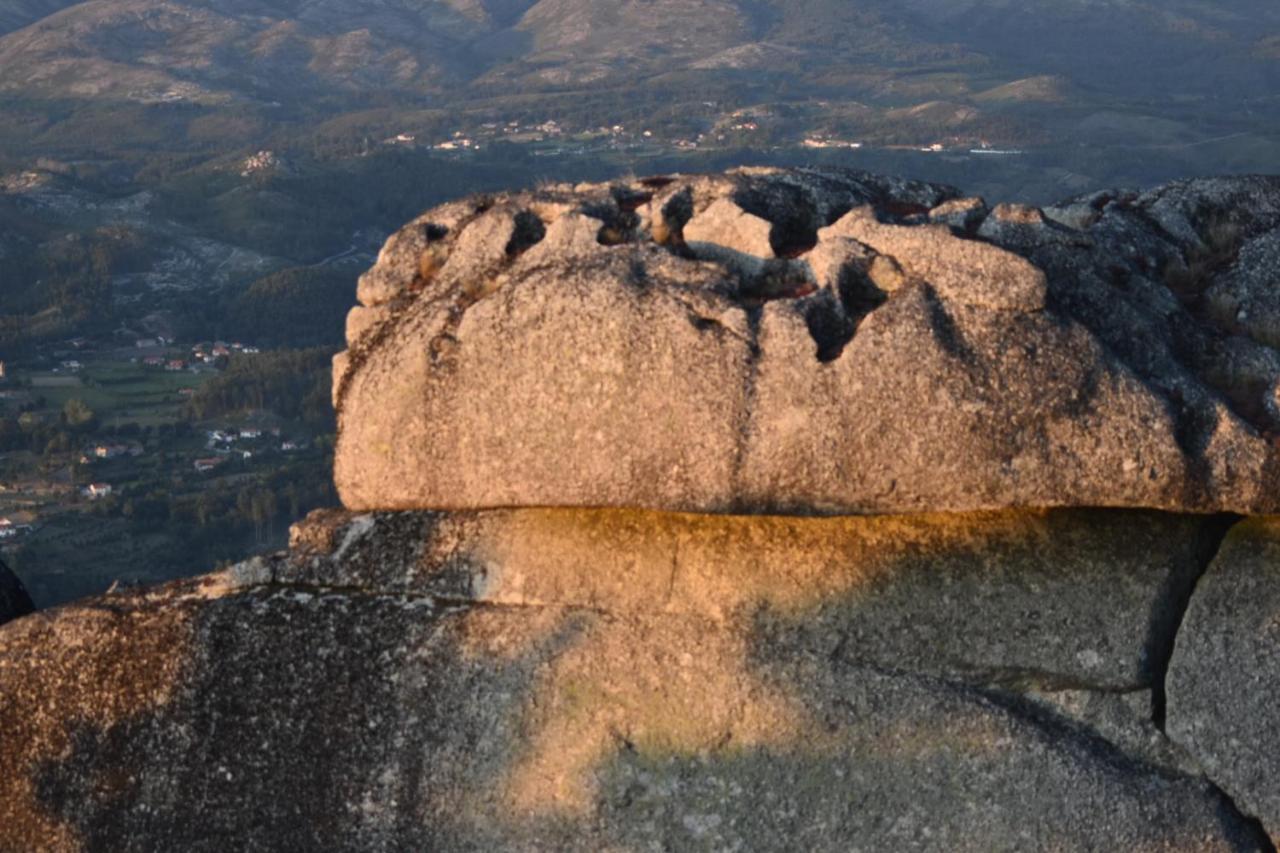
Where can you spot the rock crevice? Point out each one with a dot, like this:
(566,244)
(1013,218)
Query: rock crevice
(1168,620)
(1222,673)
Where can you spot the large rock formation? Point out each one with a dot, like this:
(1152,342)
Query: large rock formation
(804,341)
(600,586)
(619,680)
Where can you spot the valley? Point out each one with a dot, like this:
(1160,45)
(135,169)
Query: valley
(125,461)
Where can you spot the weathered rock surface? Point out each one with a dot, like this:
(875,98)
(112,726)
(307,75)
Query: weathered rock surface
(961,270)
(613,680)
(818,342)
(14,600)
(1225,673)
(1248,297)
(1055,599)
(644,595)
(1122,719)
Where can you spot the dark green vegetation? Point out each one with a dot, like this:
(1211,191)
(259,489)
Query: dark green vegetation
(301,306)
(269,257)
(142,431)
(293,383)
(57,286)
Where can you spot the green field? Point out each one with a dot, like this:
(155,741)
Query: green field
(118,393)
(163,519)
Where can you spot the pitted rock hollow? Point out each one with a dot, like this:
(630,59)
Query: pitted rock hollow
(818,342)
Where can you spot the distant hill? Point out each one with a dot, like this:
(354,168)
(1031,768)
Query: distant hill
(137,92)
(1045,88)
(1166,49)
(16,14)
(282,51)
(212,53)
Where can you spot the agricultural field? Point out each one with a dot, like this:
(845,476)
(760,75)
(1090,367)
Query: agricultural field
(118,392)
(107,475)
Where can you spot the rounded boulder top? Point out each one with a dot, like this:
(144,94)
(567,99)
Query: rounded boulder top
(803,341)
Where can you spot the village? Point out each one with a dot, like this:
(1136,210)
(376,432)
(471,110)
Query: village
(102,457)
(735,128)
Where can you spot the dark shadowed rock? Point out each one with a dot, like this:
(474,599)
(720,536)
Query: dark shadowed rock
(573,680)
(1225,672)
(828,342)
(1057,599)
(1121,718)
(14,600)
(1248,296)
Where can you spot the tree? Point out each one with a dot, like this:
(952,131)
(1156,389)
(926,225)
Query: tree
(265,509)
(77,413)
(294,498)
(204,509)
(292,383)
(244,504)
(10,434)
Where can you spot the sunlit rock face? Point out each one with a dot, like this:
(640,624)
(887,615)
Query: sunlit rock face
(804,341)
(769,511)
(622,680)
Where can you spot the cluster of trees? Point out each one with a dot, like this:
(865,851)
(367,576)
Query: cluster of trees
(294,384)
(299,307)
(64,284)
(311,209)
(220,521)
(172,536)
(29,430)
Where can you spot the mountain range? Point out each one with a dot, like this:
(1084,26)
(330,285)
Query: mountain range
(341,54)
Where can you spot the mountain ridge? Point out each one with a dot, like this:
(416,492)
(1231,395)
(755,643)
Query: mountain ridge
(424,45)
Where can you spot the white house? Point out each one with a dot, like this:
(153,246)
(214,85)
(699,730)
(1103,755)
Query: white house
(94,491)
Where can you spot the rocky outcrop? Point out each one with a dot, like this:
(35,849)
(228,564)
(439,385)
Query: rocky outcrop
(14,600)
(772,510)
(808,341)
(1226,670)
(589,680)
